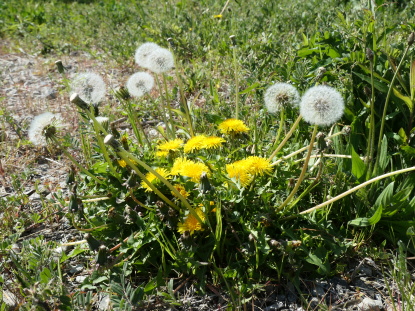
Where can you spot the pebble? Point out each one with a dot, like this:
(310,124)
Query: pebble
(80,278)
(76,269)
(369,304)
(9,299)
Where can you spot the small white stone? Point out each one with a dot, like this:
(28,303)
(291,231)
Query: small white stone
(369,304)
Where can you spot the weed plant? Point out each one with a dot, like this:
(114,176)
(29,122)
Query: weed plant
(242,189)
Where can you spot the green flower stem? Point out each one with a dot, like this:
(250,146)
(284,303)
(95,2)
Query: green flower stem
(385,108)
(293,127)
(76,163)
(236,70)
(124,155)
(133,119)
(301,150)
(355,189)
(371,140)
(313,184)
(168,100)
(170,130)
(303,171)
(104,150)
(281,127)
(184,102)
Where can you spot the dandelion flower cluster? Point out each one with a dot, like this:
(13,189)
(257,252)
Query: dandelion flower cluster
(281,95)
(191,224)
(153,57)
(203,142)
(89,86)
(153,178)
(189,168)
(140,83)
(245,170)
(322,105)
(233,127)
(43,127)
(169,146)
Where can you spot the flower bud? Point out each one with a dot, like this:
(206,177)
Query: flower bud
(60,66)
(92,242)
(233,39)
(110,140)
(102,255)
(369,54)
(411,38)
(75,99)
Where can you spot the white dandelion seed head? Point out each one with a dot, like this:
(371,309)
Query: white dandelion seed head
(322,105)
(43,127)
(140,83)
(160,60)
(280,96)
(90,87)
(143,51)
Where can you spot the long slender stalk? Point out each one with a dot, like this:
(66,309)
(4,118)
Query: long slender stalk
(170,129)
(303,171)
(184,102)
(236,70)
(281,126)
(293,128)
(133,119)
(342,195)
(105,152)
(385,108)
(142,176)
(371,140)
(300,150)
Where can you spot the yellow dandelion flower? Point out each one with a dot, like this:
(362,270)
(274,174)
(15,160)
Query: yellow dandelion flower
(188,168)
(232,127)
(258,165)
(178,164)
(194,171)
(153,179)
(194,143)
(240,171)
(172,145)
(191,224)
(162,154)
(122,163)
(181,189)
(169,146)
(213,142)
(219,16)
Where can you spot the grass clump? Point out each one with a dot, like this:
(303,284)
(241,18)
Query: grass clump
(232,187)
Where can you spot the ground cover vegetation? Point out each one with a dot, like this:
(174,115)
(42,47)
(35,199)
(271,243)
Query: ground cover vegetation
(284,146)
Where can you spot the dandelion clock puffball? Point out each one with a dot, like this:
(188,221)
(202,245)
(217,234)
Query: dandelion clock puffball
(89,86)
(143,52)
(43,127)
(140,83)
(279,96)
(160,60)
(322,105)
